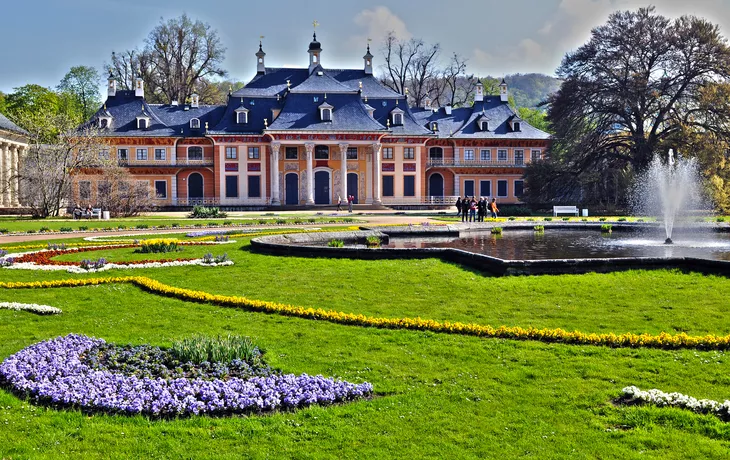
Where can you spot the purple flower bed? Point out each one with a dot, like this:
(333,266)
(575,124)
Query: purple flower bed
(54,372)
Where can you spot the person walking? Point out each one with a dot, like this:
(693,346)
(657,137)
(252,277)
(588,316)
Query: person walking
(465,209)
(458,206)
(481,209)
(472,209)
(339,202)
(350,200)
(493,208)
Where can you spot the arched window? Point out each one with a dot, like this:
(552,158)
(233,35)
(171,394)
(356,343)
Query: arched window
(436,153)
(142,123)
(195,153)
(321,152)
(194,123)
(397,119)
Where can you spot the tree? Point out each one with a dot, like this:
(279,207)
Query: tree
(38,110)
(81,83)
(45,173)
(458,87)
(178,55)
(632,90)
(536,118)
(119,193)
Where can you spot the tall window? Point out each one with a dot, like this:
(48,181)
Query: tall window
(254,186)
(84,190)
(519,188)
(501,155)
(254,153)
(502,188)
(321,152)
(292,153)
(485,187)
(352,153)
(194,123)
(231,153)
(195,153)
(485,155)
(409,153)
(409,185)
(326,114)
(122,154)
(160,154)
(436,153)
(387,153)
(519,157)
(161,189)
(468,155)
(536,155)
(232,186)
(397,119)
(141,154)
(242,117)
(388,189)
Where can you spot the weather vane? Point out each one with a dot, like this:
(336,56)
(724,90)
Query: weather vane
(315,23)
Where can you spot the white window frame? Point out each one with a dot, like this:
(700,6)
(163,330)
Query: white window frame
(397,119)
(326,114)
(141,154)
(254,153)
(195,123)
(141,122)
(387,153)
(409,153)
(349,151)
(202,153)
(519,152)
(231,153)
(119,154)
(485,155)
(502,155)
(162,157)
(535,155)
(243,114)
(468,154)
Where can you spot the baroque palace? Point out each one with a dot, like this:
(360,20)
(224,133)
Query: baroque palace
(306,136)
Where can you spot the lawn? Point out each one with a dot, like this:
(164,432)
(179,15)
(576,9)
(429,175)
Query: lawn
(438,395)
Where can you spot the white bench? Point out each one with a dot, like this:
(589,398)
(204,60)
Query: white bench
(565,210)
(96,213)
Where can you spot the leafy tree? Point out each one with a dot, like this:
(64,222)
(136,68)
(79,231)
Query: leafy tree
(178,55)
(81,83)
(3,104)
(632,91)
(535,117)
(34,108)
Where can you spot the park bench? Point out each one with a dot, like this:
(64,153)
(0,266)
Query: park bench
(96,213)
(565,210)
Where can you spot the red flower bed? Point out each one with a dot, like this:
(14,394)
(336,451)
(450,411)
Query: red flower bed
(46,257)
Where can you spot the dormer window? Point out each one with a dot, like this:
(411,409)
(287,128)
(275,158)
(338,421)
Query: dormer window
(516,126)
(371,111)
(325,112)
(396,116)
(143,123)
(195,123)
(104,123)
(242,116)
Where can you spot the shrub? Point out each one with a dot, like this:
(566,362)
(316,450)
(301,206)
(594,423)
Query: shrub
(212,224)
(202,349)
(566,219)
(201,212)
(548,219)
(44,229)
(227,222)
(211,259)
(622,219)
(497,231)
(142,226)
(539,228)
(175,225)
(512,210)
(263,221)
(639,220)
(373,241)
(348,220)
(30,231)
(121,227)
(602,219)
(606,228)
(83,228)
(530,220)
(311,220)
(4,230)
(584,220)
(720,219)
(336,244)
(158,246)
(280,221)
(66,229)
(511,218)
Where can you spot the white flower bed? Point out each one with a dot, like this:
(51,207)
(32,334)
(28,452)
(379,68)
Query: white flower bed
(31,307)
(110,266)
(682,401)
(105,238)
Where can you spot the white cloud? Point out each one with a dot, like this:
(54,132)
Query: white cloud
(375,24)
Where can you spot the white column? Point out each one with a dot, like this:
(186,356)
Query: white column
(15,162)
(275,199)
(6,176)
(310,173)
(3,148)
(343,171)
(377,176)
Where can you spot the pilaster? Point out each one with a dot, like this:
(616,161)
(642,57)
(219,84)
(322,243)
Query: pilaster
(275,149)
(343,170)
(310,173)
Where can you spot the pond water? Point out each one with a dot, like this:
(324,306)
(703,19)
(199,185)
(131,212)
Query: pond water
(575,244)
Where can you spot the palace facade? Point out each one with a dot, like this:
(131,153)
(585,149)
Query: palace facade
(308,136)
(13,146)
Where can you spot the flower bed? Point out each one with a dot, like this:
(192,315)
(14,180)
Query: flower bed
(56,372)
(43,260)
(632,395)
(31,307)
(630,340)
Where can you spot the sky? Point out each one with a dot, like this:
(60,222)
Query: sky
(42,39)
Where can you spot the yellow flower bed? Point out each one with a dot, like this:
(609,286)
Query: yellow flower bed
(662,340)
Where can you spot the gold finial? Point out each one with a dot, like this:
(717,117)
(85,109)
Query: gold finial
(325,96)
(288,84)
(366,99)
(315,24)
(388,123)
(266,122)
(360,84)
(206,126)
(230,89)
(406,92)
(105,106)
(261,37)
(277,97)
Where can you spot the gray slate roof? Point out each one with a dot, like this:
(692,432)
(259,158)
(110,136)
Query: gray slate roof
(8,125)
(301,112)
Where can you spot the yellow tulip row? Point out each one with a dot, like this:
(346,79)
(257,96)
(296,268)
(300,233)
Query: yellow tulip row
(662,340)
(45,245)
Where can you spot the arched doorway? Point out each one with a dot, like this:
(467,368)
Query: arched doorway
(322,187)
(195,186)
(291,187)
(436,185)
(352,186)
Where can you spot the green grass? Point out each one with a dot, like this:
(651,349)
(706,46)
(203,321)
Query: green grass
(439,396)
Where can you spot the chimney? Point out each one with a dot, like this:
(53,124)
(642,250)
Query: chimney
(315,51)
(503,94)
(112,88)
(447,109)
(139,88)
(194,101)
(479,91)
(260,67)
(368,58)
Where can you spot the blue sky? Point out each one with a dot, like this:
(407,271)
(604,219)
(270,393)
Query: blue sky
(42,39)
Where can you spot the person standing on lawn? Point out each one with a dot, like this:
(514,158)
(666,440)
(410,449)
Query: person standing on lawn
(458,206)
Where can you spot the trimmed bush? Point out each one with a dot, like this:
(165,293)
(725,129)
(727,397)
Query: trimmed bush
(158,246)
(496,231)
(336,244)
(606,228)
(202,212)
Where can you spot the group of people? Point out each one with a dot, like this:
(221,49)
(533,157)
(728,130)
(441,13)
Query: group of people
(473,210)
(78,212)
(350,202)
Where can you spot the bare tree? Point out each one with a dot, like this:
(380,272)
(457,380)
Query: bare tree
(422,73)
(128,65)
(45,173)
(400,57)
(120,194)
(458,86)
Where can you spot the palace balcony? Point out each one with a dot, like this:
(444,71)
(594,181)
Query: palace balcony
(452,162)
(192,163)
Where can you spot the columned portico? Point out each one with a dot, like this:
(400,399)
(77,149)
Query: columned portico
(275,148)
(10,153)
(310,173)
(343,171)
(13,183)
(7,171)
(377,175)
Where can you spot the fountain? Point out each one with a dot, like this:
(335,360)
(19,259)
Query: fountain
(667,188)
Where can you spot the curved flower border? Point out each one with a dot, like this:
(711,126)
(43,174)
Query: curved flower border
(659,398)
(53,372)
(43,259)
(31,307)
(630,340)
